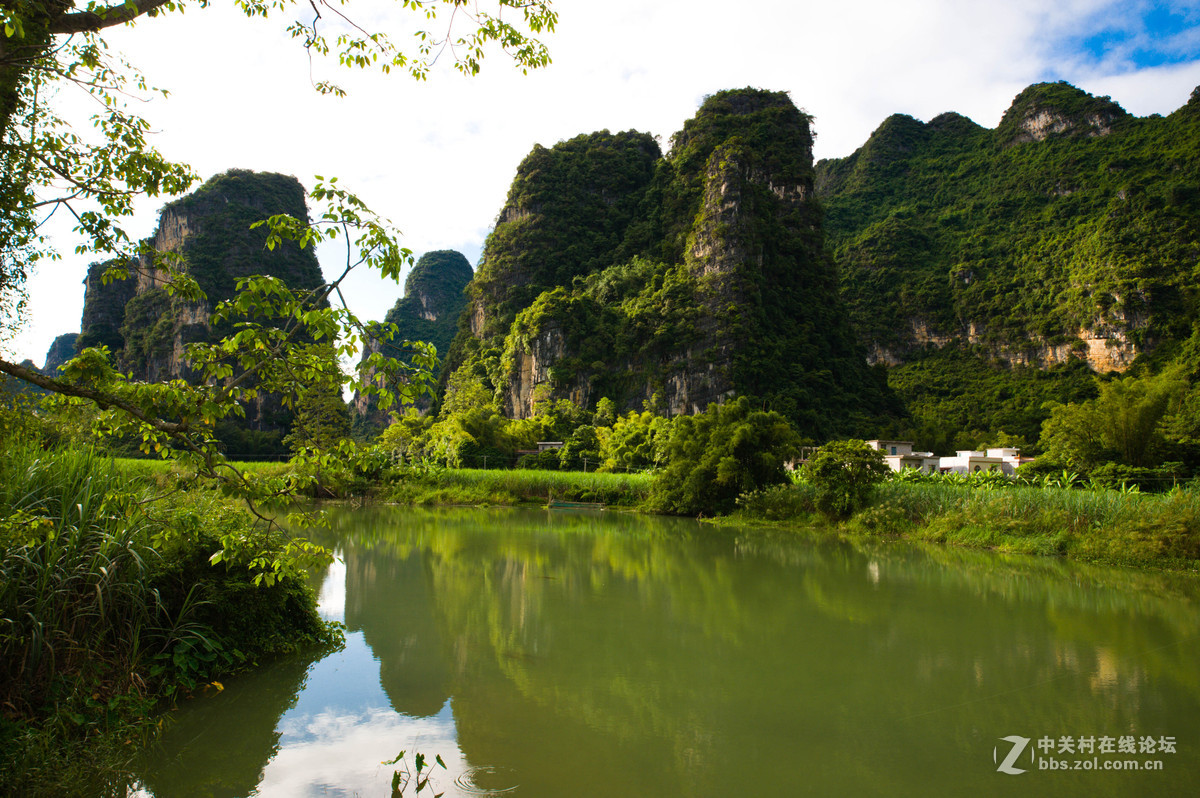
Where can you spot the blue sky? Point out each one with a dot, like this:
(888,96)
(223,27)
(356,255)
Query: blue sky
(437,157)
(1141,35)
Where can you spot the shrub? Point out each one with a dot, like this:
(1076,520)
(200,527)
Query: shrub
(778,503)
(714,457)
(845,474)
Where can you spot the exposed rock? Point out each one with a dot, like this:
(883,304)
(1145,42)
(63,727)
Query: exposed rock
(721,286)
(104,309)
(586,189)
(209,232)
(1105,348)
(531,368)
(1057,109)
(61,350)
(429,310)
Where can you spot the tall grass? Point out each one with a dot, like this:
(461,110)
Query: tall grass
(75,594)
(477,486)
(1161,530)
(1096,525)
(108,606)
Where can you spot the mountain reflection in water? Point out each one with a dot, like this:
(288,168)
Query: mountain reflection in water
(609,654)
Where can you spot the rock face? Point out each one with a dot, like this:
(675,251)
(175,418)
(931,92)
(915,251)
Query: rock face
(1066,234)
(673,281)
(60,351)
(567,213)
(147,330)
(429,311)
(104,309)
(1047,110)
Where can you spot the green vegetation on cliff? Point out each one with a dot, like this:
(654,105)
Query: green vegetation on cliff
(220,246)
(567,212)
(1070,216)
(676,281)
(433,300)
(1066,235)
(148,329)
(429,311)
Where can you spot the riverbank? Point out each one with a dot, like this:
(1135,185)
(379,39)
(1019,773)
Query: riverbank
(1101,526)
(511,487)
(112,609)
(176,624)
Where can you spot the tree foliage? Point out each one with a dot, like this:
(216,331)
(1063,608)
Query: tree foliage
(1072,218)
(844,474)
(713,457)
(1026,241)
(94,169)
(276,337)
(1127,423)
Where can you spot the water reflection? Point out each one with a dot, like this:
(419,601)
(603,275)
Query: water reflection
(602,654)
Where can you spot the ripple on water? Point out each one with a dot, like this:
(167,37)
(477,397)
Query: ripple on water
(487,780)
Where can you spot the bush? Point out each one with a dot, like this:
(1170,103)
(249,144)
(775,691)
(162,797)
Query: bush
(542,461)
(778,503)
(844,474)
(718,455)
(109,603)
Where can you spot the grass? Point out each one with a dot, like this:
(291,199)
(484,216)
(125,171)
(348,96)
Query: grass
(109,605)
(79,615)
(74,576)
(159,471)
(1092,525)
(477,486)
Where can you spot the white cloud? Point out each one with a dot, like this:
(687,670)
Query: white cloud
(437,157)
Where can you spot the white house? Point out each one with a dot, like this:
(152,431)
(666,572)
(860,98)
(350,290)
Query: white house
(966,462)
(899,455)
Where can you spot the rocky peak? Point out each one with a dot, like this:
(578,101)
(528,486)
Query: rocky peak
(104,308)
(147,330)
(1046,110)
(60,351)
(952,123)
(765,123)
(587,189)
(433,300)
(726,273)
(436,283)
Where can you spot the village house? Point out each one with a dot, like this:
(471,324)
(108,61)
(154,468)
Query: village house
(899,455)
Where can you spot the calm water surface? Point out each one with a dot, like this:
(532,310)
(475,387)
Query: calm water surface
(549,653)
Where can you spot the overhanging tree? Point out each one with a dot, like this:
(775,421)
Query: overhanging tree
(282,338)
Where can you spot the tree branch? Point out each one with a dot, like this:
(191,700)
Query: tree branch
(92,21)
(103,400)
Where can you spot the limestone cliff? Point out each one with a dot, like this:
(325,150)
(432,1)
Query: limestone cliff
(707,280)
(104,309)
(1067,233)
(210,231)
(566,214)
(1047,110)
(429,310)
(61,350)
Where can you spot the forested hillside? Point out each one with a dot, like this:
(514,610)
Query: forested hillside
(999,269)
(429,310)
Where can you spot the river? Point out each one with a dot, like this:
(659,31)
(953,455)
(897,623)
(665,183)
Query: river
(566,653)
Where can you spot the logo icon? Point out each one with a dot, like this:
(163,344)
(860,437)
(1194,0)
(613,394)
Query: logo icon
(1018,747)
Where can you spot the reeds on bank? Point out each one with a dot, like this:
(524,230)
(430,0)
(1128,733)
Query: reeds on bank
(75,597)
(1082,522)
